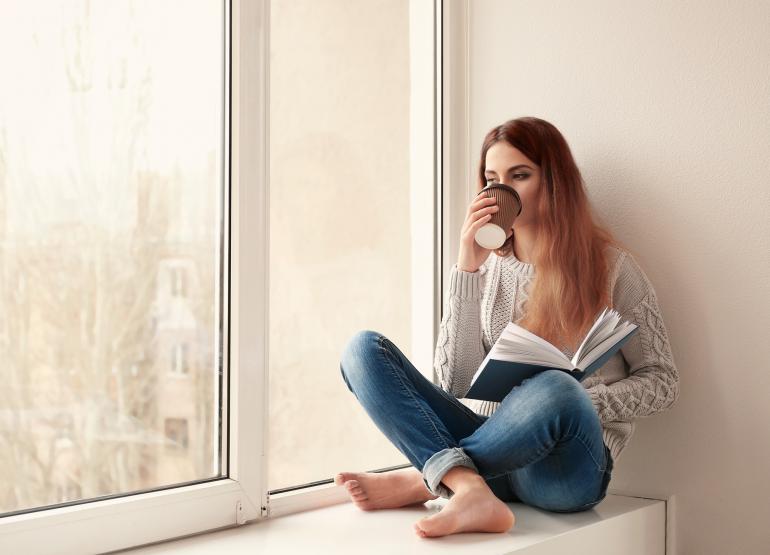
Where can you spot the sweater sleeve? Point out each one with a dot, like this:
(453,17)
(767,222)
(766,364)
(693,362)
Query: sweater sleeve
(653,382)
(460,349)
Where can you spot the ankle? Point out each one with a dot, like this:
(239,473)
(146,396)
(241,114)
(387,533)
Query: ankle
(419,487)
(461,478)
(427,495)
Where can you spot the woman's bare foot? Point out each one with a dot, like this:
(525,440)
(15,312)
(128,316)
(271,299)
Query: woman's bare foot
(472,509)
(385,490)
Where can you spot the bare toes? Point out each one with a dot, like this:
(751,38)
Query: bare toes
(352,484)
(343,477)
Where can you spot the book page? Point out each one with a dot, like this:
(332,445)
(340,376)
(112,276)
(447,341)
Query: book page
(603,328)
(517,344)
(525,348)
(600,349)
(603,332)
(583,348)
(515,330)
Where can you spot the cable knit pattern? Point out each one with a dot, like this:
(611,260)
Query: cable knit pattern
(653,384)
(639,380)
(460,345)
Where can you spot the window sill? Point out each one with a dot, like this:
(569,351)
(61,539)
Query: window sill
(619,524)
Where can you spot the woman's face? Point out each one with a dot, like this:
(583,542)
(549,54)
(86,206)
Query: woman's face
(506,164)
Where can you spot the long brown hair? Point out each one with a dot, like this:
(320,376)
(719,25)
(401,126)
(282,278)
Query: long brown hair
(570,285)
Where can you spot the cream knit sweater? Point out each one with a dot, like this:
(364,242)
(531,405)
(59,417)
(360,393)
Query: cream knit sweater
(639,380)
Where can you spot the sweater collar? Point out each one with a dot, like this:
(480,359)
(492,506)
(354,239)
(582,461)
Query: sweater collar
(519,267)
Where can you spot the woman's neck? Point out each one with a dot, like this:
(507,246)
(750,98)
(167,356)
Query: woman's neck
(523,244)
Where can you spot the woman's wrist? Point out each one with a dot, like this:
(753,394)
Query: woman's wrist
(465,285)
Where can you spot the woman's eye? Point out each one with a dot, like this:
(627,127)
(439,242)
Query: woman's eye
(516,176)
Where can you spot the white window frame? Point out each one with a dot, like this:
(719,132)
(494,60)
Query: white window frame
(131,520)
(143,518)
(457,174)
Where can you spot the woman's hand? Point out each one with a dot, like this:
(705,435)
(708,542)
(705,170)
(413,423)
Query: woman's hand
(471,253)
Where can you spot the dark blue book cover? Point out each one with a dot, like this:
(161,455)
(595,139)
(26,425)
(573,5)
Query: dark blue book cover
(499,377)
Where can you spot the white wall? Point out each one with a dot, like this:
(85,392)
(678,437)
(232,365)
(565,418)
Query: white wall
(665,105)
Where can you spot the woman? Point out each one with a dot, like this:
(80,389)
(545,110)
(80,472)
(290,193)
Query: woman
(552,441)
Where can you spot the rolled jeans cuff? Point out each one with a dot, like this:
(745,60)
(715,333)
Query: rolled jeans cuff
(439,464)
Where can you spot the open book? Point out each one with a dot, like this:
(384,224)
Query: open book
(519,354)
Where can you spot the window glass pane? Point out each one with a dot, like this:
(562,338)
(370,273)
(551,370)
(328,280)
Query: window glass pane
(341,239)
(111,187)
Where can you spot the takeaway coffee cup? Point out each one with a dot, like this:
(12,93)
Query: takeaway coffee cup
(493,233)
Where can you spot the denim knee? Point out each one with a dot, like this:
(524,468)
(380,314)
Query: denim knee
(557,390)
(361,346)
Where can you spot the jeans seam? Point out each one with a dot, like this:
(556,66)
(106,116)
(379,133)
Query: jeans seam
(465,411)
(384,351)
(588,449)
(453,401)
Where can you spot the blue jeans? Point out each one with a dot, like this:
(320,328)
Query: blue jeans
(542,446)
